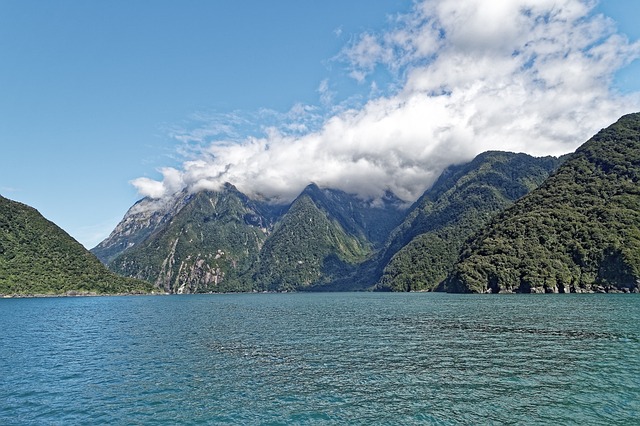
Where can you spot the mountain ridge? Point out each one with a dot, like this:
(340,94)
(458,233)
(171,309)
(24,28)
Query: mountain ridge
(210,243)
(578,232)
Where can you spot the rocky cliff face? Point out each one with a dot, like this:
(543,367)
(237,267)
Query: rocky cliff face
(210,244)
(139,222)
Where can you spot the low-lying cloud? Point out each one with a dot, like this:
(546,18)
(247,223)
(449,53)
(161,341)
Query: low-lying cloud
(532,76)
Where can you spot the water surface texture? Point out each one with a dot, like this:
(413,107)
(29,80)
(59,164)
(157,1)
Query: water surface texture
(340,358)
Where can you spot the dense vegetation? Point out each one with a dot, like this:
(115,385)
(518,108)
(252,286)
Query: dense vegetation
(211,244)
(322,239)
(580,231)
(424,248)
(37,257)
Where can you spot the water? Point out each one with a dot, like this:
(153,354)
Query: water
(355,358)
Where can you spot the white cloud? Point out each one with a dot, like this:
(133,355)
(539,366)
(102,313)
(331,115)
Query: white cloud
(326,95)
(172,182)
(524,75)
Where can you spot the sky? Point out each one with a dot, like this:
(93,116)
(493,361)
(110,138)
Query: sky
(103,103)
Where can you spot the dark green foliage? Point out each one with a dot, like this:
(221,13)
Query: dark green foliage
(424,248)
(308,247)
(580,231)
(210,245)
(37,257)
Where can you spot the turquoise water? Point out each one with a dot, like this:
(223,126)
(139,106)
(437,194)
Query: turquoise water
(354,358)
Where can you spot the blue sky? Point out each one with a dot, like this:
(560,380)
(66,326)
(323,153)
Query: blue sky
(98,94)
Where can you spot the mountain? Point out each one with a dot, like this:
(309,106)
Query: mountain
(37,257)
(215,241)
(139,222)
(209,244)
(579,231)
(424,248)
(325,239)
(322,238)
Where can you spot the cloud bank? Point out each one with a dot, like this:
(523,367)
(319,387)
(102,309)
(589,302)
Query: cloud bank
(532,76)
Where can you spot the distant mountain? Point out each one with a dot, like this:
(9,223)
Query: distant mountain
(141,220)
(424,248)
(37,257)
(210,243)
(325,239)
(322,238)
(579,231)
(223,241)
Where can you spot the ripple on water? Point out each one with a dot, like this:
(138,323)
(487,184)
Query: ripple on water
(321,359)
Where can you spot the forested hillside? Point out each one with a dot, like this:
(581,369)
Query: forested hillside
(580,231)
(423,250)
(37,257)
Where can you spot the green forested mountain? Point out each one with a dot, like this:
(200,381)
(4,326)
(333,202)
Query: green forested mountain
(424,248)
(579,231)
(37,257)
(306,248)
(224,241)
(210,244)
(321,239)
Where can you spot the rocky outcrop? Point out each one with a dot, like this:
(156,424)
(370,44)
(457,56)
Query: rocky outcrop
(140,221)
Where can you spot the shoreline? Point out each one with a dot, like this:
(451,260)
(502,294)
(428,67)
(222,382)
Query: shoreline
(76,294)
(93,294)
